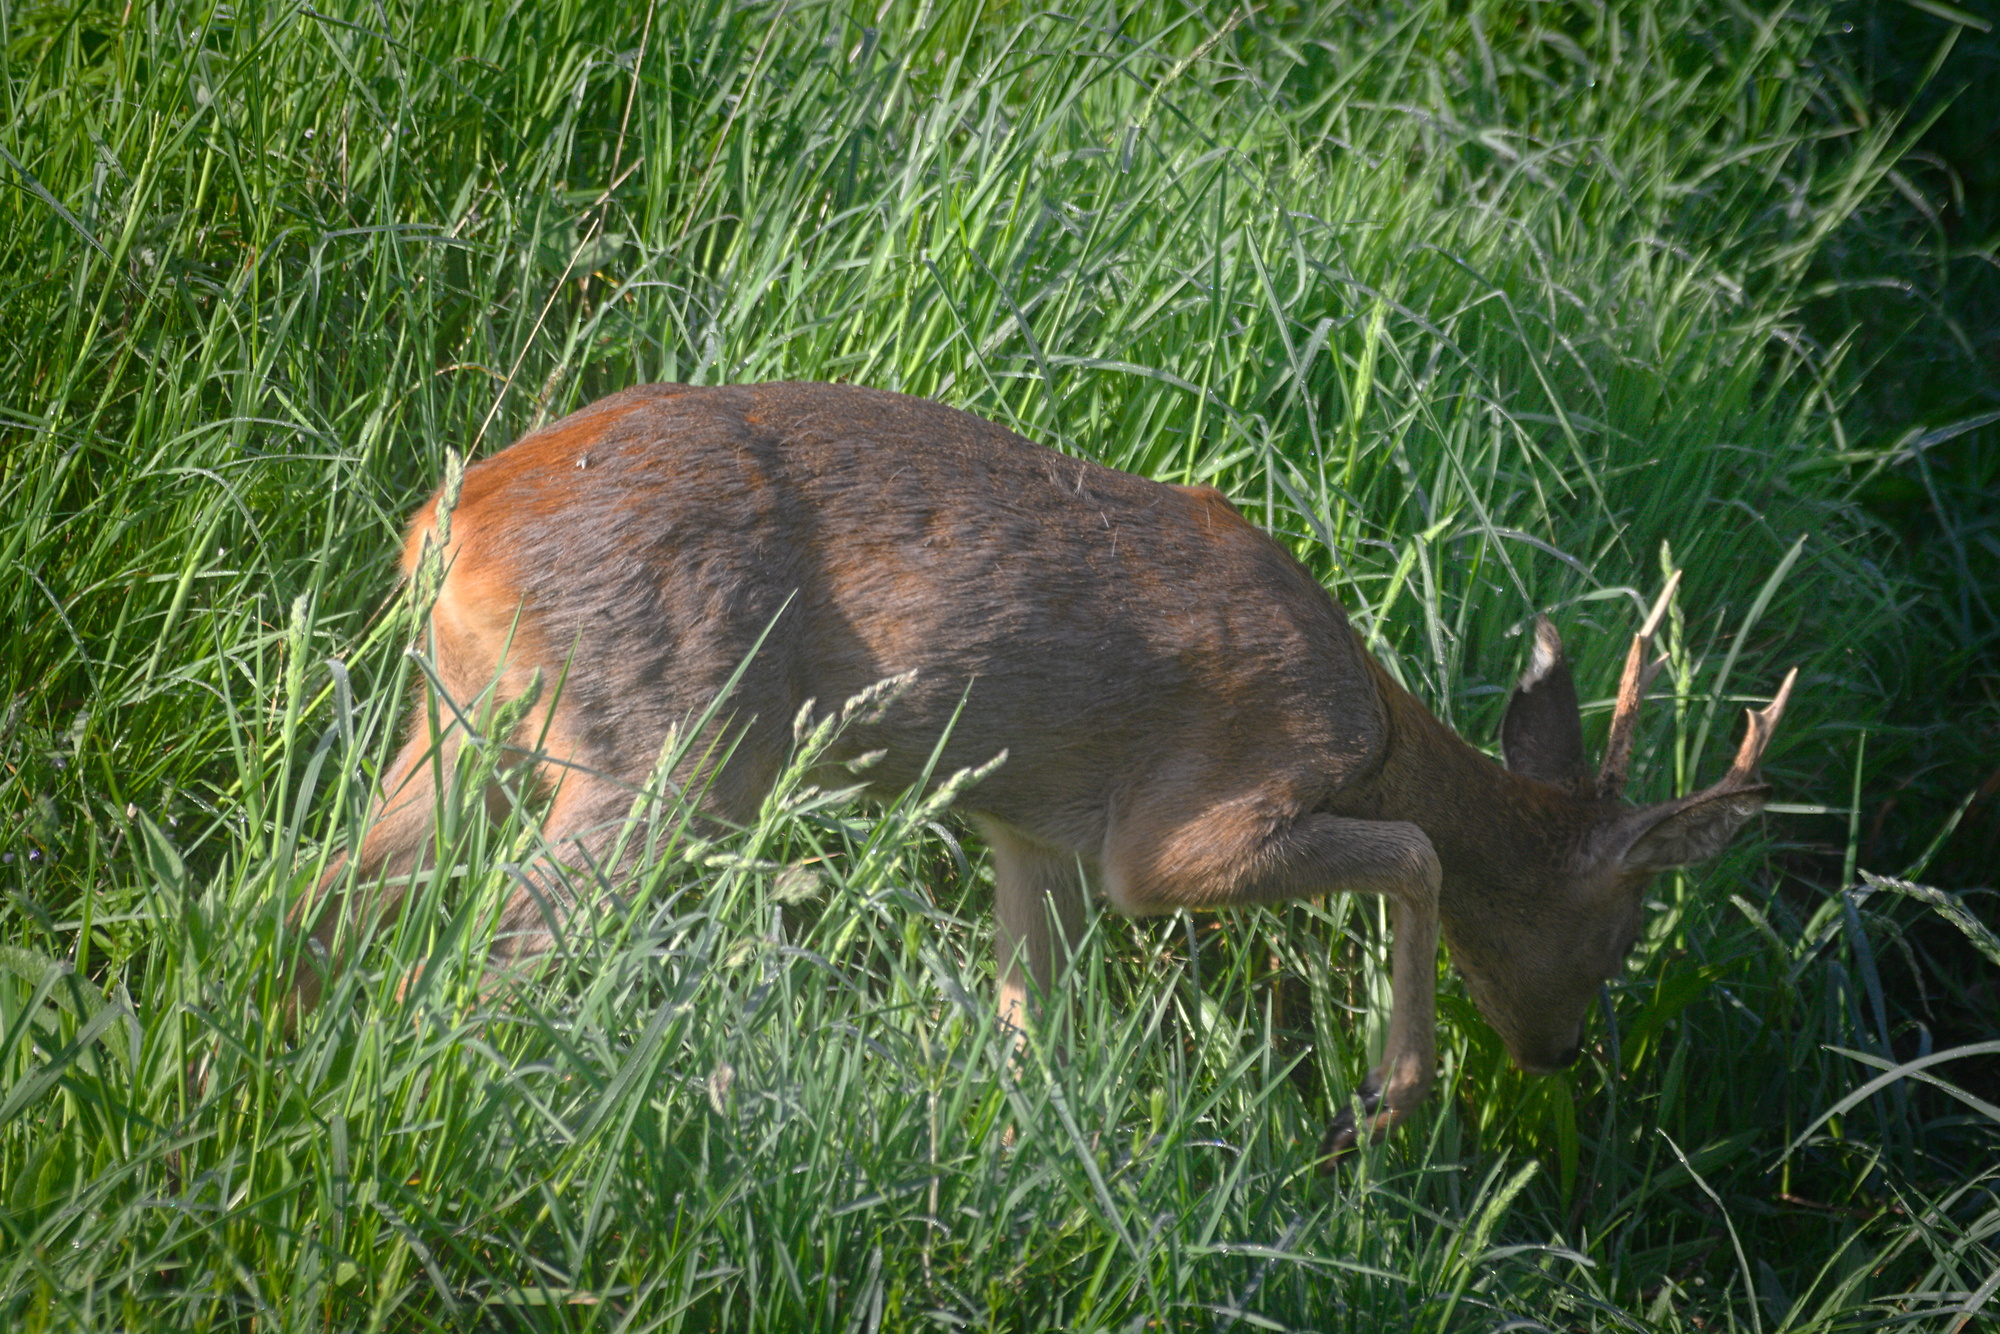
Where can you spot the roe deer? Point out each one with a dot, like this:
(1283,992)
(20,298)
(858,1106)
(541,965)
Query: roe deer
(1187,716)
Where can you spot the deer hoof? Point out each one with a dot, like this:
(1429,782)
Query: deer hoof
(1343,1133)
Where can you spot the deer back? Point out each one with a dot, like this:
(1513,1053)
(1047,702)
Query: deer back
(1090,623)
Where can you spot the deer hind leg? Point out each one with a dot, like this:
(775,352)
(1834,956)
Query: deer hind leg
(400,842)
(595,838)
(1243,853)
(1038,903)
(581,830)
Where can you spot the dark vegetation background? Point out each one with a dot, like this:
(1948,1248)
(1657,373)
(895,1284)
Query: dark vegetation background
(1912,287)
(1475,305)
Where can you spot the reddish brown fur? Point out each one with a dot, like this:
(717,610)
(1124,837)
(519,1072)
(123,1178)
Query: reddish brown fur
(1187,715)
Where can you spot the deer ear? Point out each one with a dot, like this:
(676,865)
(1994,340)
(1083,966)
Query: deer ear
(1693,829)
(1542,732)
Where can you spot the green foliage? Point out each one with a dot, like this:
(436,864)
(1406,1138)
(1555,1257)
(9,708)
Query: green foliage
(1912,287)
(1481,308)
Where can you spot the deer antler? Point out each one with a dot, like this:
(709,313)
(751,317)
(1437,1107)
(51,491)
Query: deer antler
(1632,688)
(1757,730)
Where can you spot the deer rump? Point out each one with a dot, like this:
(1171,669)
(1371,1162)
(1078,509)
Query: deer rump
(1187,718)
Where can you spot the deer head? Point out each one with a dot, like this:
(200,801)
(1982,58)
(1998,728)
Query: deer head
(1534,959)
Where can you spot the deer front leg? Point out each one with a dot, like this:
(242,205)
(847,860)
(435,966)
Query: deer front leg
(1038,899)
(1403,1079)
(1237,854)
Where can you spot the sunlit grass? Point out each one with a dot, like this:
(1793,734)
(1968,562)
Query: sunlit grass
(1482,310)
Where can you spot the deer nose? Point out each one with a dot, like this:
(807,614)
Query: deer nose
(1568,1058)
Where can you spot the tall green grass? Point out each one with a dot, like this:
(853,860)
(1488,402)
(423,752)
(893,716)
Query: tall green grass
(1913,287)
(1482,309)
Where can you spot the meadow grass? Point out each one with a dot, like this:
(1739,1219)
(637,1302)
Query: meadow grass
(1481,309)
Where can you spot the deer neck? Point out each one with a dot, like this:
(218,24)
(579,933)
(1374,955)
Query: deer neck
(1491,828)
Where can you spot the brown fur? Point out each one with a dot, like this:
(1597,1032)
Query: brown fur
(1186,713)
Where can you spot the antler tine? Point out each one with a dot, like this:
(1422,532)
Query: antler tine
(1632,689)
(1757,730)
